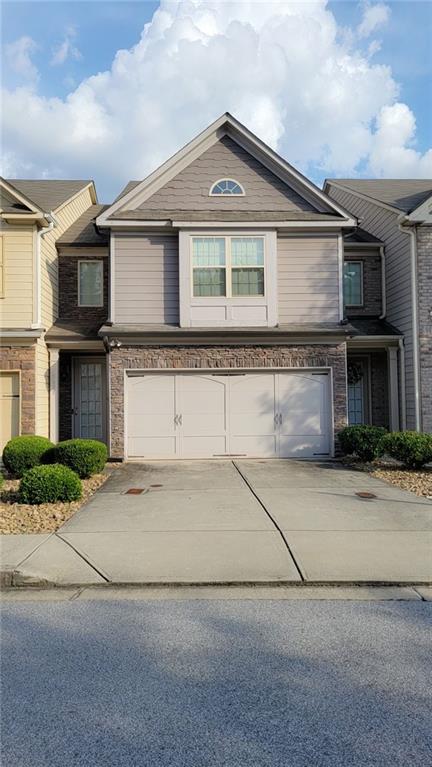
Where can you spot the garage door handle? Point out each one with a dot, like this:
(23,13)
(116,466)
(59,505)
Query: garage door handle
(278,419)
(178,420)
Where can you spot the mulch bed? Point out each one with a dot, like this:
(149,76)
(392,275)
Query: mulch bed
(20,518)
(418,482)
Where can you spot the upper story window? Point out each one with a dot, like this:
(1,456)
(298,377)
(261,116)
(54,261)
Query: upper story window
(226,186)
(90,283)
(228,266)
(353,283)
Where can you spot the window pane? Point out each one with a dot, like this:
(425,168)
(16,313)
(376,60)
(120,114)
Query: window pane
(208,251)
(209,282)
(247,251)
(352,284)
(227,186)
(248,282)
(90,283)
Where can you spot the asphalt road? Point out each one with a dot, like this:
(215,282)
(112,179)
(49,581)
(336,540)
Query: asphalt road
(216,683)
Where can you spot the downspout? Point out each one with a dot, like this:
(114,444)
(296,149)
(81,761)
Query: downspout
(415,321)
(383,284)
(37,315)
(402,383)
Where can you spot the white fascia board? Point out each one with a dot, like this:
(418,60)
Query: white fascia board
(134,224)
(225,125)
(23,334)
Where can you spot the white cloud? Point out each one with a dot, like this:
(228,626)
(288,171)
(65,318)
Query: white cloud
(280,67)
(373,16)
(66,49)
(18,56)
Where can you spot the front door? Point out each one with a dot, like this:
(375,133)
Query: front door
(89,419)
(357,391)
(9,406)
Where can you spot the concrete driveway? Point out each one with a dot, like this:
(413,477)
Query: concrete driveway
(241,521)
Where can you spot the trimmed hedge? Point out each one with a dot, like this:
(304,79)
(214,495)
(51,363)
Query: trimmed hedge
(49,484)
(366,442)
(23,453)
(412,448)
(1,479)
(84,456)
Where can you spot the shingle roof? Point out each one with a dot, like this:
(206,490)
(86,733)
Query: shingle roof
(223,215)
(129,186)
(73,330)
(9,203)
(83,231)
(402,193)
(361,237)
(47,194)
(372,326)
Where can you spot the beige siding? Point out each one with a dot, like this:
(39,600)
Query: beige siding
(382,223)
(42,390)
(146,279)
(308,279)
(16,306)
(189,190)
(49,267)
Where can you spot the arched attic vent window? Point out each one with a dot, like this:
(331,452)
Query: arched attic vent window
(226,186)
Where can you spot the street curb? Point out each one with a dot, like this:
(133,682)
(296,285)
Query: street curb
(10,578)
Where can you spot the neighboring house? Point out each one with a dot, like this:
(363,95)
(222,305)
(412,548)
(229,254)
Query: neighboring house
(398,213)
(33,215)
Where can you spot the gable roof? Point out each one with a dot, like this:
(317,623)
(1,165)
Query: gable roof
(226,125)
(48,195)
(83,231)
(402,194)
(362,237)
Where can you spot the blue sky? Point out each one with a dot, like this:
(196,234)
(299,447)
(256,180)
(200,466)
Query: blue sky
(67,42)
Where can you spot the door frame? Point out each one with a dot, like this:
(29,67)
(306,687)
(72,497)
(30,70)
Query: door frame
(130,372)
(76,361)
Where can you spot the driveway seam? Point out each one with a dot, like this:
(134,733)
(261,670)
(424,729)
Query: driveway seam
(81,555)
(272,519)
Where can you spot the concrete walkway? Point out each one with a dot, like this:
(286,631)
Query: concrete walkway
(234,522)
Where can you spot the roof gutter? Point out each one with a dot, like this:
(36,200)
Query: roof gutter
(406,226)
(37,301)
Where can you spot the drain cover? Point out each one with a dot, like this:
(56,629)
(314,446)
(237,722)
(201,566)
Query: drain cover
(134,491)
(364,494)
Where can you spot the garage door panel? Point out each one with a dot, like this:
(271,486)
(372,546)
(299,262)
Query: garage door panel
(152,447)
(303,446)
(204,446)
(252,405)
(261,446)
(201,402)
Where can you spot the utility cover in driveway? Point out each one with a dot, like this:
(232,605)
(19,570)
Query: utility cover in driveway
(244,414)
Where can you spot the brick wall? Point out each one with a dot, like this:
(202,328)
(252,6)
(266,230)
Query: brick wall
(23,358)
(372,299)
(68,290)
(205,357)
(424,271)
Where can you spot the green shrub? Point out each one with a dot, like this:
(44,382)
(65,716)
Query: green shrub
(84,456)
(1,480)
(49,484)
(363,441)
(412,448)
(22,453)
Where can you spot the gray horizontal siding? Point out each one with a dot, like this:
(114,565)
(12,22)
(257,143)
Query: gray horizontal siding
(189,190)
(382,223)
(308,279)
(146,279)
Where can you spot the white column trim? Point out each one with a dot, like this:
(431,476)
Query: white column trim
(340,275)
(54,384)
(112,278)
(393,387)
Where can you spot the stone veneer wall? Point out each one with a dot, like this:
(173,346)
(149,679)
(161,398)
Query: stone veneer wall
(211,357)
(23,358)
(424,272)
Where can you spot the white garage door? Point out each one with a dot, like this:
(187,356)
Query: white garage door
(261,415)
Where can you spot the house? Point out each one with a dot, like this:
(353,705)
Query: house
(202,313)
(398,213)
(33,216)
(226,306)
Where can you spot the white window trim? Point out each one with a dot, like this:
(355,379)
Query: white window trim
(228,267)
(225,178)
(98,261)
(349,261)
